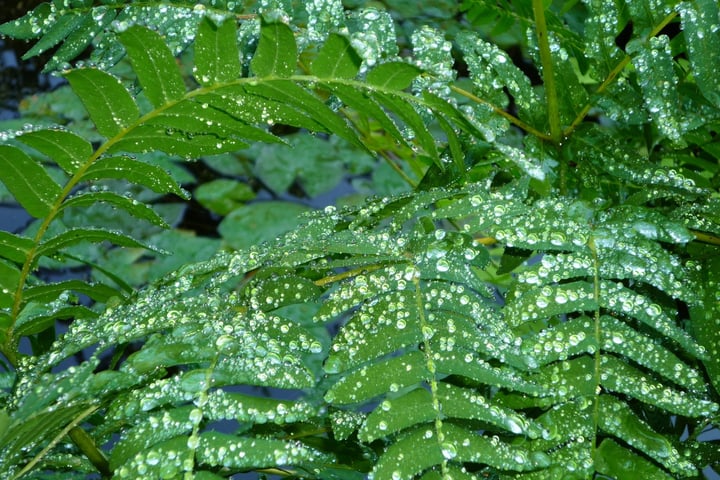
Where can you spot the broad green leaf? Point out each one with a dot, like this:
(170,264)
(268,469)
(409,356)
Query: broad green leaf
(201,119)
(252,105)
(622,464)
(141,173)
(376,338)
(616,418)
(155,460)
(66,149)
(336,59)
(260,452)
(276,54)
(469,365)
(40,317)
(393,75)
(50,291)
(109,104)
(79,235)
(223,195)
(416,451)
(154,65)
(392,416)
(368,382)
(135,208)
(217,57)
(28,181)
(259,222)
(14,247)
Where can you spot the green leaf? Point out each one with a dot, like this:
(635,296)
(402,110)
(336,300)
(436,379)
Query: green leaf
(276,54)
(9,278)
(28,181)
(289,96)
(259,222)
(368,382)
(63,26)
(217,58)
(626,379)
(393,75)
(49,292)
(109,104)
(22,28)
(66,149)
(260,452)
(133,207)
(222,196)
(699,26)
(336,59)
(616,418)
(14,247)
(413,120)
(149,138)
(141,173)
(94,235)
(81,36)
(154,65)
(619,463)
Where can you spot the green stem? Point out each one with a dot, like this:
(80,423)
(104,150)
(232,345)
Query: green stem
(612,76)
(547,71)
(510,118)
(86,445)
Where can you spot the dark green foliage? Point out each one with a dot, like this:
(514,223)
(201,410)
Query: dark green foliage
(540,305)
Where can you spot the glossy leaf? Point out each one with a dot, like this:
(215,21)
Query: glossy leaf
(276,53)
(336,59)
(133,207)
(217,58)
(28,181)
(66,149)
(79,235)
(109,104)
(154,65)
(145,174)
(393,75)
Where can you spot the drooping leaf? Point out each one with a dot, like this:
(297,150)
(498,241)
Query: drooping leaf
(145,174)
(28,181)
(133,207)
(79,235)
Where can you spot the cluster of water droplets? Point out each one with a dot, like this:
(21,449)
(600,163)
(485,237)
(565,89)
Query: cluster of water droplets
(372,35)
(656,76)
(433,54)
(324,16)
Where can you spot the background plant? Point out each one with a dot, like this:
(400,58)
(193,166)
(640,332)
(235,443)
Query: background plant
(538,299)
